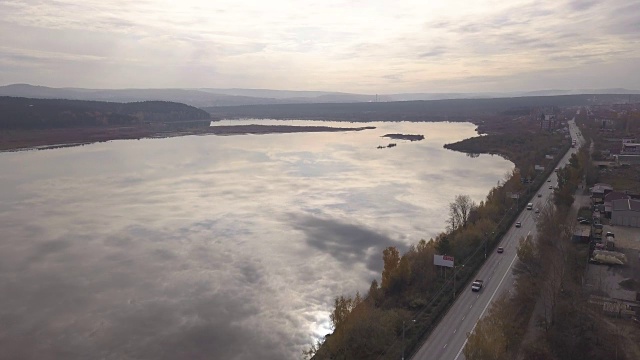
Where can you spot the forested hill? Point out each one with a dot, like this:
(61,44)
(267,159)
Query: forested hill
(26,113)
(422,110)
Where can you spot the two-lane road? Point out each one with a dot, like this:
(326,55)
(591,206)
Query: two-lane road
(450,336)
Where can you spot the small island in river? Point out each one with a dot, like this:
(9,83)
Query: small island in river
(409,137)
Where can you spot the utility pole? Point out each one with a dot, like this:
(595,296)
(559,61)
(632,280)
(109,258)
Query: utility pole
(455,269)
(403,344)
(485,245)
(402,339)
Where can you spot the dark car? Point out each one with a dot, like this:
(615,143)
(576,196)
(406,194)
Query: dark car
(500,250)
(581,218)
(585,222)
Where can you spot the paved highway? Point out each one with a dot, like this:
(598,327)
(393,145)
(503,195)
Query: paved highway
(450,336)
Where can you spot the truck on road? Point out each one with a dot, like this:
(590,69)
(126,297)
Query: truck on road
(610,243)
(476,285)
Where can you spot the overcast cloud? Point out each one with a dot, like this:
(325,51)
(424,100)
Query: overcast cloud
(372,46)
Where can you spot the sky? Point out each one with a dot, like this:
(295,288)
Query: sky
(372,46)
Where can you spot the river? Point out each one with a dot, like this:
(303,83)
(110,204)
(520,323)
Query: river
(217,247)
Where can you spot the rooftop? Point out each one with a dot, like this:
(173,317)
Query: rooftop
(615,195)
(583,231)
(626,204)
(600,188)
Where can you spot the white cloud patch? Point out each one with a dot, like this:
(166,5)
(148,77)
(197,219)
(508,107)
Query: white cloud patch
(364,46)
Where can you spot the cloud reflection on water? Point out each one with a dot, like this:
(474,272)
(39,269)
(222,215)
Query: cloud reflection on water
(212,247)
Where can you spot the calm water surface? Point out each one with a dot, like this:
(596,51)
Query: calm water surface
(218,247)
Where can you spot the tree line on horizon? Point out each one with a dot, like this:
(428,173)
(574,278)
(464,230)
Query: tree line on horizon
(416,110)
(28,114)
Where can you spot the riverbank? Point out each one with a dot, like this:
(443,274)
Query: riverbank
(402,309)
(17,140)
(525,150)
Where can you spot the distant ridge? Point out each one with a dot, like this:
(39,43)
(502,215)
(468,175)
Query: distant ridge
(193,97)
(29,113)
(211,97)
(418,110)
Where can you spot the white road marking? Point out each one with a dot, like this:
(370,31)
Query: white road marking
(490,299)
(445,346)
(454,330)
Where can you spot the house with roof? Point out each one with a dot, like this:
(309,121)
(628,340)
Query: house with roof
(582,234)
(626,212)
(608,201)
(630,148)
(598,192)
(548,121)
(604,123)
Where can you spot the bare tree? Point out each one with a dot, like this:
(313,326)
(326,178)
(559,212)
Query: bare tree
(459,211)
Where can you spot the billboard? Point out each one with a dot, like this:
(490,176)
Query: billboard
(513,195)
(443,260)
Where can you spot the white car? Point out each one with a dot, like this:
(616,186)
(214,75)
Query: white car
(476,285)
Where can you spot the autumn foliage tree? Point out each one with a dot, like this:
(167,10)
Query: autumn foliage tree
(391,260)
(342,307)
(396,272)
(488,340)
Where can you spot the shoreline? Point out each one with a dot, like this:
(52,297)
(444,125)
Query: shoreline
(23,140)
